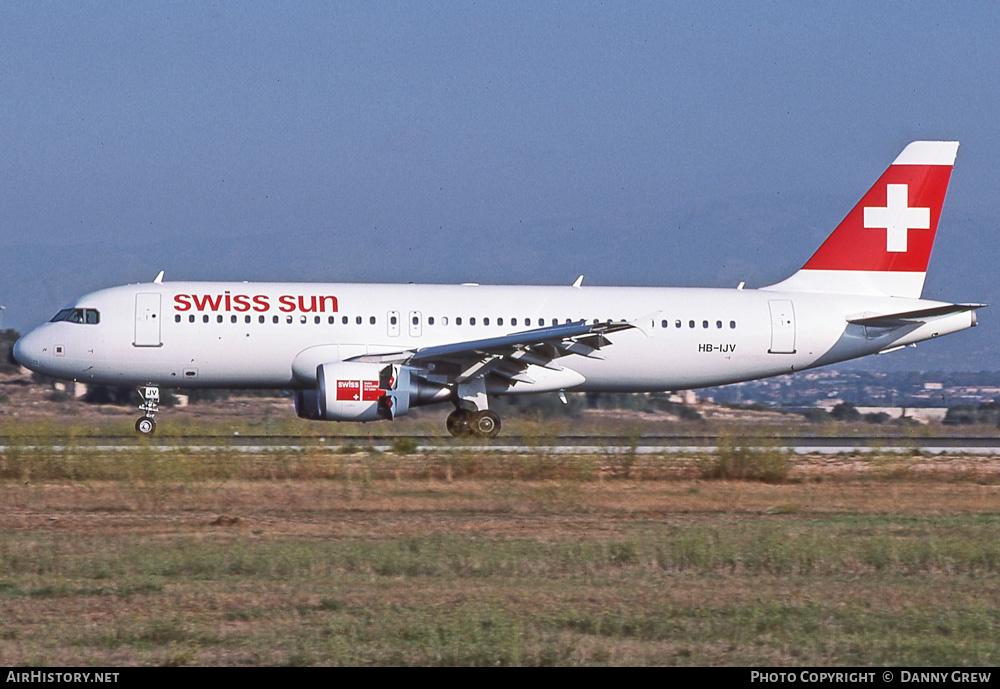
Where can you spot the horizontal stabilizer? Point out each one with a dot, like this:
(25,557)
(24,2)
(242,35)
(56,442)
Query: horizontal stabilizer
(891,320)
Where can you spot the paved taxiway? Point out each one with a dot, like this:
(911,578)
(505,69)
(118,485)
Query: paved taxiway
(967,445)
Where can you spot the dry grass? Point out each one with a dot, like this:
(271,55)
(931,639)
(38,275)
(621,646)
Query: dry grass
(329,558)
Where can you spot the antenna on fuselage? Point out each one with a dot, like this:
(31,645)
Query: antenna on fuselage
(159,278)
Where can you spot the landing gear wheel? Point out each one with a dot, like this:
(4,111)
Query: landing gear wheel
(458,423)
(486,424)
(150,394)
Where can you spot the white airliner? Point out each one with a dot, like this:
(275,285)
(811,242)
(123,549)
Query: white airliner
(361,352)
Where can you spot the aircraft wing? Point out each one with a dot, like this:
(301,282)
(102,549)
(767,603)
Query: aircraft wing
(508,356)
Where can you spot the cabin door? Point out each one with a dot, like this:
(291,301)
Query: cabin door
(147,320)
(782,327)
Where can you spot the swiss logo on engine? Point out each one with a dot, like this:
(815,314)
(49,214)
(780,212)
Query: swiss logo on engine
(370,391)
(348,390)
(358,391)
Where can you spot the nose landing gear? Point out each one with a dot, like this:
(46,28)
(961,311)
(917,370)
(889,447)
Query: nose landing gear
(150,395)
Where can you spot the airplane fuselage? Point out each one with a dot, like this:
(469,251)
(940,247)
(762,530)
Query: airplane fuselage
(360,352)
(272,335)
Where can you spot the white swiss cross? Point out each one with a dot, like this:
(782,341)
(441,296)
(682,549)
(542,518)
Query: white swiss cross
(897,218)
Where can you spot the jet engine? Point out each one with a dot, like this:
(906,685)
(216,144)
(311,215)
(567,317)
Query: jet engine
(354,391)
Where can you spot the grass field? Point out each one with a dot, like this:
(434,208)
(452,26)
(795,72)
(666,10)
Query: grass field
(357,557)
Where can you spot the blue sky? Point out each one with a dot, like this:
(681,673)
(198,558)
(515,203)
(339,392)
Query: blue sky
(456,141)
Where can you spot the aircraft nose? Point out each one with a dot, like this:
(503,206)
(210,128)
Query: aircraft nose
(24,352)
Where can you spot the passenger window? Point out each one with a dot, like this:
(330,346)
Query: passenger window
(472,321)
(177,318)
(232,319)
(500,321)
(677,323)
(289,319)
(430,320)
(331,320)
(392,320)
(444,320)
(732,325)
(357,319)
(690,324)
(191,318)
(458,320)
(204,319)
(416,321)
(718,324)
(371,320)
(486,321)
(704,324)
(344,320)
(316,320)
(246,319)
(664,323)
(274,319)
(260,319)
(513,321)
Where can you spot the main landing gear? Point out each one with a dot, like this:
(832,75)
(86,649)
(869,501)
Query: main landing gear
(150,395)
(478,424)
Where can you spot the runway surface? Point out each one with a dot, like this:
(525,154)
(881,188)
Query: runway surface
(580,444)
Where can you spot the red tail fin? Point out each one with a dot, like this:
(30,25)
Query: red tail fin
(884,244)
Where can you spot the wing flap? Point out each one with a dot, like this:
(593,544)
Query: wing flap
(531,342)
(518,358)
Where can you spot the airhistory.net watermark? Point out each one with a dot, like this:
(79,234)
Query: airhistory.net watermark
(60,677)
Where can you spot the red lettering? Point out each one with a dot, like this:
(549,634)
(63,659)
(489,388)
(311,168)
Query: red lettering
(241,302)
(228,301)
(329,299)
(201,302)
(302,304)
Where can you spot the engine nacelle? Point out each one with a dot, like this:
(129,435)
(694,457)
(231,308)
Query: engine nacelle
(353,391)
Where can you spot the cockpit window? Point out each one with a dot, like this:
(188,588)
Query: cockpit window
(89,316)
